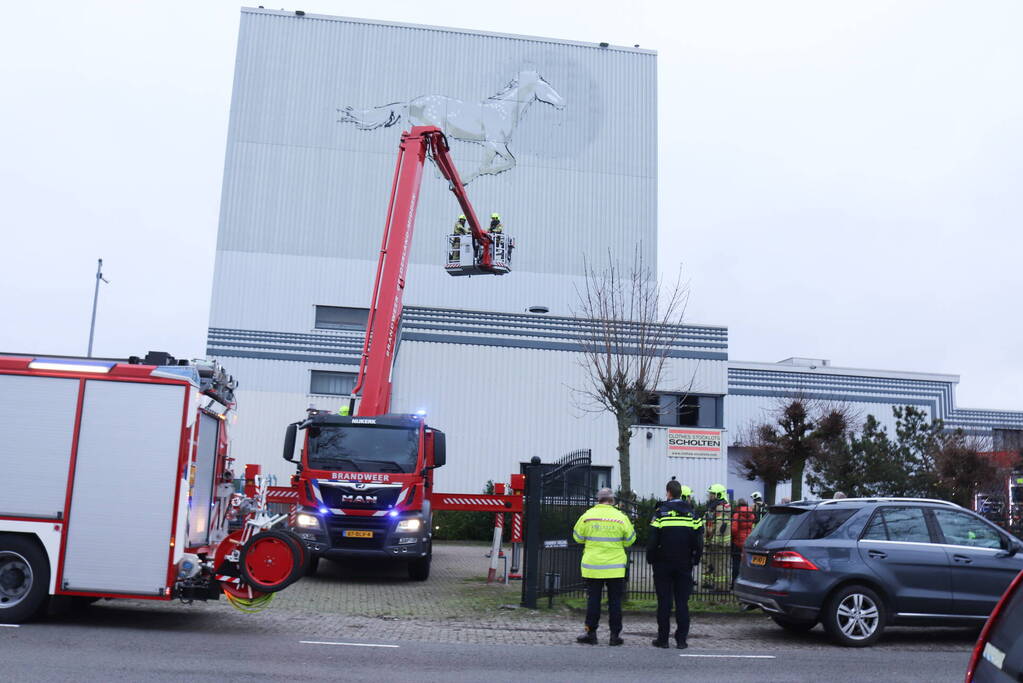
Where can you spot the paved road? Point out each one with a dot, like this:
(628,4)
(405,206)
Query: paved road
(452,627)
(164,650)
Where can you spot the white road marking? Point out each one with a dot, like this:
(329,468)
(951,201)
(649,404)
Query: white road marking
(734,656)
(10,626)
(322,642)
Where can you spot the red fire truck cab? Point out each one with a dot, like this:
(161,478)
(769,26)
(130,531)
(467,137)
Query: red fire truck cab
(365,487)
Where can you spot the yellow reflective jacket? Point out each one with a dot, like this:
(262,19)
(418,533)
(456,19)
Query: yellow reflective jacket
(607,533)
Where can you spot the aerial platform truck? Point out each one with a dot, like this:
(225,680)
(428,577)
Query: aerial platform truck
(116,482)
(364,481)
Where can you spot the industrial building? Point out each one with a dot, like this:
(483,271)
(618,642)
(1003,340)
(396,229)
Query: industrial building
(558,137)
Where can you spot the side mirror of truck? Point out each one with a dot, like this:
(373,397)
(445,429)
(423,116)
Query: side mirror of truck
(289,442)
(440,455)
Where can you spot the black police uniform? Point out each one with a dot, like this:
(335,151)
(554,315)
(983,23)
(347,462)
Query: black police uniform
(674,547)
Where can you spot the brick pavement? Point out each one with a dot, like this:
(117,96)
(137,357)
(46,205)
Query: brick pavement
(379,603)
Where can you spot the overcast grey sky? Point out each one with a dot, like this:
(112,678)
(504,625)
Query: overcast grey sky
(840,180)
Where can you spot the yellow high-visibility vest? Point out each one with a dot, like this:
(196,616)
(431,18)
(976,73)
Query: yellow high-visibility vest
(607,533)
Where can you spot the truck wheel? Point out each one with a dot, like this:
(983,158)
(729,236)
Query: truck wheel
(854,616)
(419,570)
(24,579)
(271,561)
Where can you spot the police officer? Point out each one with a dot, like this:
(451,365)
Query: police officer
(606,533)
(719,539)
(495,223)
(674,548)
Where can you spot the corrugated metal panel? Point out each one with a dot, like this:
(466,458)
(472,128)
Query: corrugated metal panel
(743,411)
(652,468)
(499,409)
(300,184)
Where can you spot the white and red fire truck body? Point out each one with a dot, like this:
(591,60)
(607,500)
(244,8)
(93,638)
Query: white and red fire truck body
(116,482)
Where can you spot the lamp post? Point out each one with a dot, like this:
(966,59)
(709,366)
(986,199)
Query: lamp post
(95,300)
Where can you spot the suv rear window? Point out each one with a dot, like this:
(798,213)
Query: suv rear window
(824,522)
(779,524)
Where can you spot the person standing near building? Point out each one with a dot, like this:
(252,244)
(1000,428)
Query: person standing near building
(673,549)
(743,521)
(606,533)
(759,508)
(460,227)
(718,533)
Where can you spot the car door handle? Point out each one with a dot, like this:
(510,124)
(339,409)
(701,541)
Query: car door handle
(877,554)
(962,559)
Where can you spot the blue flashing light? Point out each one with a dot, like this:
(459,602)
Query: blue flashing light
(421,413)
(393,513)
(71,365)
(323,510)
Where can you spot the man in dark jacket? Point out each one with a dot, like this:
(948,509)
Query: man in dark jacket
(674,548)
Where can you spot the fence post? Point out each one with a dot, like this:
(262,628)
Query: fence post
(532,533)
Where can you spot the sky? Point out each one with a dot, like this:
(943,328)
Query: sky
(837,180)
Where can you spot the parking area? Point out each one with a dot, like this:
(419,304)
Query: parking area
(456,605)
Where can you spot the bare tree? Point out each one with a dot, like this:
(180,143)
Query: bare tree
(763,459)
(630,324)
(804,431)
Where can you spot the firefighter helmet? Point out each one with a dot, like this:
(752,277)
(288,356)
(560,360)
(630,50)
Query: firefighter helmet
(718,489)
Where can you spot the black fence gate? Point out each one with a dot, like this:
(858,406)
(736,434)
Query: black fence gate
(558,493)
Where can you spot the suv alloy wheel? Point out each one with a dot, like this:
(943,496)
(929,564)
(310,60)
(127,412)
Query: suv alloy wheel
(855,616)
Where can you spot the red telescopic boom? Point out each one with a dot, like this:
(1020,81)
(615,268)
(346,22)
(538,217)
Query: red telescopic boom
(377,361)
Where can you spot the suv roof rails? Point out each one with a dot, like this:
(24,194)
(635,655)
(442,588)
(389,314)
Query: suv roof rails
(834,501)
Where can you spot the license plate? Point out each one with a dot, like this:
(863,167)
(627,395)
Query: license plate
(356,533)
(758,560)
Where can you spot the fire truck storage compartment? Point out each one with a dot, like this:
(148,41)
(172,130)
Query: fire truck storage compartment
(37,422)
(123,503)
(201,504)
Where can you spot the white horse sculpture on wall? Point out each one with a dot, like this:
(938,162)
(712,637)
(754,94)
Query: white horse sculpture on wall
(489,123)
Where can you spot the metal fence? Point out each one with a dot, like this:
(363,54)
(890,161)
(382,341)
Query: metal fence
(565,492)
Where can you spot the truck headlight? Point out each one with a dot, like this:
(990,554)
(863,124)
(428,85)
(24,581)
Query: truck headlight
(409,525)
(307,521)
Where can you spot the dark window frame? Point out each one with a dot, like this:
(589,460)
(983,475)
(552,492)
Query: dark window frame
(668,413)
(353,376)
(345,317)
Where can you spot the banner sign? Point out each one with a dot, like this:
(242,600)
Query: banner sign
(694,443)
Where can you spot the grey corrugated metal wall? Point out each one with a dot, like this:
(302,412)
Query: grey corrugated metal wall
(312,192)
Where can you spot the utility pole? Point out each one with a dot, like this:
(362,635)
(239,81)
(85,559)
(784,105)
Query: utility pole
(95,300)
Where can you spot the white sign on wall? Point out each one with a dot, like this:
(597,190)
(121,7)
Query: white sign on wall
(685,442)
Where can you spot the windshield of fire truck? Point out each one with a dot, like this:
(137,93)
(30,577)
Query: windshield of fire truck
(363,448)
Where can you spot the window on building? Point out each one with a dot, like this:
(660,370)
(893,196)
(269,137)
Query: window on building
(1007,439)
(683,410)
(331,383)
(341,318)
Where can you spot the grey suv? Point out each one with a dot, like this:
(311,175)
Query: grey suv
(857,565)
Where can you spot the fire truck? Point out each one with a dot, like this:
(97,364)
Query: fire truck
(364,481)
(117,483)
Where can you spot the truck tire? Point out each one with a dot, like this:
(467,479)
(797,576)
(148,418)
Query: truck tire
(419,570)
(271,561)
(24,579)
